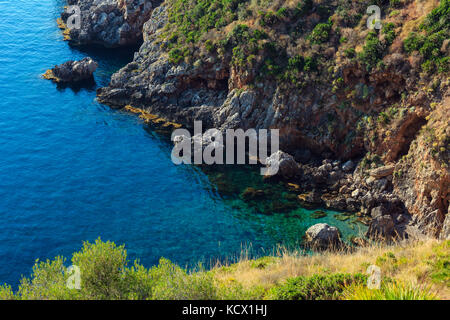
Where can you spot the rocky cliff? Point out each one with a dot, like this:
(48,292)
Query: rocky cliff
(336,89)
(111,23)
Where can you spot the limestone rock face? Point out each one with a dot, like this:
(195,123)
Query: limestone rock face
(73,71)
(322,236)
(111,23)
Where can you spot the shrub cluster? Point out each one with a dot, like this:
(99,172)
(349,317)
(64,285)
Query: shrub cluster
(430,38)
(317,287)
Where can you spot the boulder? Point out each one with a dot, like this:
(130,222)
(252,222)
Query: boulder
(382,172)
(282,164)
(72,71)
(381,228)
(322,236)
(348,166)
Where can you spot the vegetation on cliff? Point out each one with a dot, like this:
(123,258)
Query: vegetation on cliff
(410,271)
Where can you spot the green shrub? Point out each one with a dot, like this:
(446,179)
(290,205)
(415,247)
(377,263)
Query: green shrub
(296,63)
(317,287)
(350,53)
(413,42)
(441,266)
(48,282)
(232,290)
(390,291)
(395,3)
(102,266)
(6,293)
(435,30)
(282,12)
(303,8)
(310,64)
(388,30)
(176,284)
(372,50)
(209,45)
(443,65)
(176,55)
(321,32)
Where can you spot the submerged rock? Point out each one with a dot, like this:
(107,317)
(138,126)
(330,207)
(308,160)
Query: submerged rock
(318,214)
(252,194)
(322,236)
(72,71)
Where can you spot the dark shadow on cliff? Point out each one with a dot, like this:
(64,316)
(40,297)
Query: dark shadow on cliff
(109,60)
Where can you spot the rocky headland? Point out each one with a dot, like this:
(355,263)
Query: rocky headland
(364,115)
(111,23)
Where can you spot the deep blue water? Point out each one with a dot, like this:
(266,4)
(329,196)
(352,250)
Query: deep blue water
(74,170)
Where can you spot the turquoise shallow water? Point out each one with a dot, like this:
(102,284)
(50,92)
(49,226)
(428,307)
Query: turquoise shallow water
(73,170)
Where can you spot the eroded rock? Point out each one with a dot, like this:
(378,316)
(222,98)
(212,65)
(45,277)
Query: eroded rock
(72,71)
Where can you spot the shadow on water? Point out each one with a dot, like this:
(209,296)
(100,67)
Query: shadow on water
(110,60)
(274,205)
(88,85)
(124,54)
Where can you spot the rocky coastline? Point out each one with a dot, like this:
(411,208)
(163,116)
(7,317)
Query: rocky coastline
(359,139)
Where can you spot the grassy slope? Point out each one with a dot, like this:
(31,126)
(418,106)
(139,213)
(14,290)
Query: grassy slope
(410,271)
(422,264)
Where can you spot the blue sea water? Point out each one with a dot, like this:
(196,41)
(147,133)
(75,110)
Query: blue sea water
(73,170)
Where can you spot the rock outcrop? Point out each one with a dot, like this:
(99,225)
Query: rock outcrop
(111,23)
(322,236)
(282,164)
(72,71)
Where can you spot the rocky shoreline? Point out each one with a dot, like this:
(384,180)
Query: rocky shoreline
(391,181)
(111,23)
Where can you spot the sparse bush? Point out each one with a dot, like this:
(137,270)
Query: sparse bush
(321,32)
(434,31)
(317,287)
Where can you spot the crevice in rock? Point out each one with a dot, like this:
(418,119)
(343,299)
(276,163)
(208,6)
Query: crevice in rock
(409,135)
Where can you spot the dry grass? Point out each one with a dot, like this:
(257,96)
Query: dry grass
(407,262)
